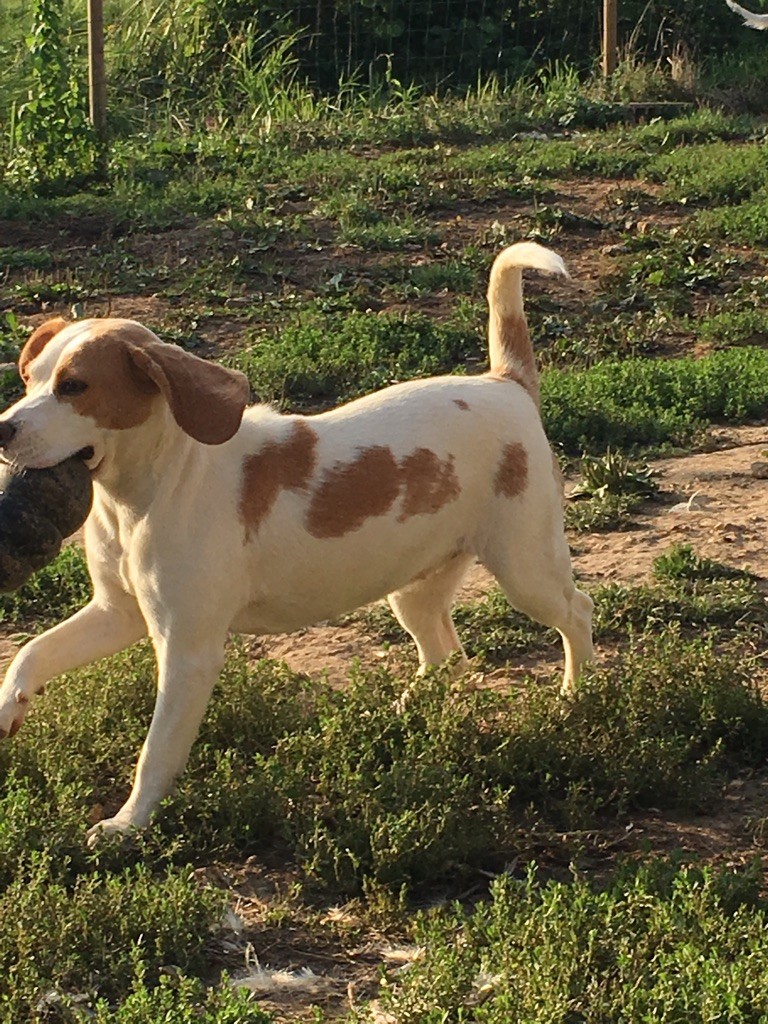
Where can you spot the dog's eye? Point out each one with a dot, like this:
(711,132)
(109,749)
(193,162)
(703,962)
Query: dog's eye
(70,386)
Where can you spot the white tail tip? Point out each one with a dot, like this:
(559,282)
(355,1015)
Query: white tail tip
(758,21)
(530,255)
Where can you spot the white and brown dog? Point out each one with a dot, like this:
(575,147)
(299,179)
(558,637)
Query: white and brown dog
(209,519)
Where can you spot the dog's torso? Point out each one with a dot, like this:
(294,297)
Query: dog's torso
(298,519)
(209,518)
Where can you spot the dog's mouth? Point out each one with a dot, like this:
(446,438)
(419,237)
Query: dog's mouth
(90,459)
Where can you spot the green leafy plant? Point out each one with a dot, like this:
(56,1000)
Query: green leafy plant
(53,141)
(601,513)
(613,474)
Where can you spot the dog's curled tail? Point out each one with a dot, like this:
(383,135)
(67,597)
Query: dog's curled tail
(509,342)
(758,21)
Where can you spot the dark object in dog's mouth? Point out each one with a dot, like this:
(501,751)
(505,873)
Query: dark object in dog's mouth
(38,509)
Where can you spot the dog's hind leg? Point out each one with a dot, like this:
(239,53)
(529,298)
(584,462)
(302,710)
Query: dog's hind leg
(423,609)
(535,574)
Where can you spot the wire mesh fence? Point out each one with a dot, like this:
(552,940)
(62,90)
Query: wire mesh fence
(429,42)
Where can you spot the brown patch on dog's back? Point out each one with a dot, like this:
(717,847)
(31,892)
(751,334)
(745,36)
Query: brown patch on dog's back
(430,483)
(461,404)
(279,465)
(352,492)
(369,485)
(117,396)
(512,473)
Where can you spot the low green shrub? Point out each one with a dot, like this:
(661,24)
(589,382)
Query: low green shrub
(51,594)
(62,947)
(657,942)
(639,403)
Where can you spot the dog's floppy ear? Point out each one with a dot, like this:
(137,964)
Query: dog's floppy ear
(36,342)
(206,400)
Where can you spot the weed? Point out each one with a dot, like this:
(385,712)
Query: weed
(15,259)
(368,352)
(52,140)
(675,269)
(178,999)
(599,514)
(734,327)
(64,946)
(717,173)
(613,474)
(745,223)
(682,563)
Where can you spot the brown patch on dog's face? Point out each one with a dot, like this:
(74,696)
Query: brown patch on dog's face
(286,465)
(36,342)
(512,473)
(461,404)
(99,380)
(352,492)
(430,483)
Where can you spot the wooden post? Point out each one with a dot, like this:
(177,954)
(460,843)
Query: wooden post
(610,36)
(97,82)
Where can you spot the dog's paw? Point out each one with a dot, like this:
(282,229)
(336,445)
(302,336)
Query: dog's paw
(115,830)
(14,706)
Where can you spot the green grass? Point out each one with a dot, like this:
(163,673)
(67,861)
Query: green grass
(659,942)
(52,594)
(642,403)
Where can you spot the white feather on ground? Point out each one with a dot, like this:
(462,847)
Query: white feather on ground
(265,981)
(758,21)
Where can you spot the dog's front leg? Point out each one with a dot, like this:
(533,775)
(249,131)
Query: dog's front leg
(94,632)
(187,672)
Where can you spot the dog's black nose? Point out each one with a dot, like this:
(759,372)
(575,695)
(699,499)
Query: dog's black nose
(7,431)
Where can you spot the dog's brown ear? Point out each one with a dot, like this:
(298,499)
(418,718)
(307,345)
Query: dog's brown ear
(206,400)
(37,341)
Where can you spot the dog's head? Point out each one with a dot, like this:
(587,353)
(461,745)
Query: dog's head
(90,380)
